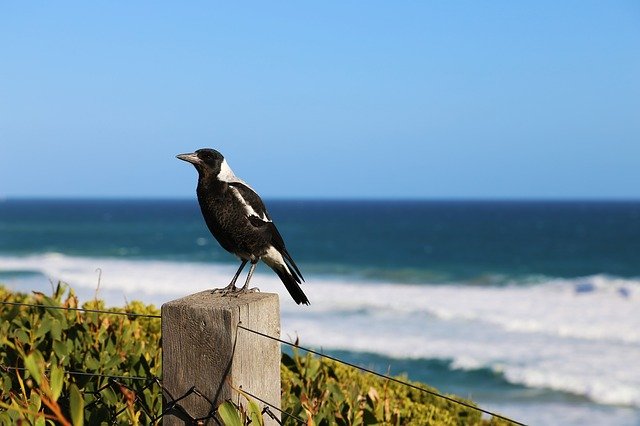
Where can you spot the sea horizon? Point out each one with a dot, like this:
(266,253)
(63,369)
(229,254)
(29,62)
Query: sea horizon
(454,199)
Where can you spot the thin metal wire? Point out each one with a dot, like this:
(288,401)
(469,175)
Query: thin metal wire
(112,380)
(268,412)
(98,311)
(139,402)
(293,416)
(375,373)
(85,373)
(173,405)
(131,314)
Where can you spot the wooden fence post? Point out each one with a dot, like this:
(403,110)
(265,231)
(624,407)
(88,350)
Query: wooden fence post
(203,349)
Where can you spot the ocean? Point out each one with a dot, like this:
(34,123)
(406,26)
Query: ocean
(530,308)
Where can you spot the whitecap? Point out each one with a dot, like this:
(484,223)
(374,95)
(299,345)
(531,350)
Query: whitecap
(549,335)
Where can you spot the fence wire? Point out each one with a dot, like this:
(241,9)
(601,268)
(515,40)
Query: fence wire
(375,373)
(171,403)
(267,411)
(132,395)
(96,311)
(83,373)
(128,393)
(107,396)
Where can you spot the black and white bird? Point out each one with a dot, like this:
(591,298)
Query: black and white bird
(238,219)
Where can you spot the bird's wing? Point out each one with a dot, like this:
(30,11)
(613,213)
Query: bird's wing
(278,243)
(253,205)
(258,216)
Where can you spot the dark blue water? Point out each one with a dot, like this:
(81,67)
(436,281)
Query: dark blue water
(404,241)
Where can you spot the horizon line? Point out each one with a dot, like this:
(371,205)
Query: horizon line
(339,198)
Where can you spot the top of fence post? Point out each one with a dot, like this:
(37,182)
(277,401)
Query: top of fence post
(206,357)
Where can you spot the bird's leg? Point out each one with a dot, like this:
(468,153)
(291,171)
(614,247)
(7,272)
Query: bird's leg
(245,288)
(231,288)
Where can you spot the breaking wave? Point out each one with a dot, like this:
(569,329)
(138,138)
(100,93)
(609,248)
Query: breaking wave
(578,335)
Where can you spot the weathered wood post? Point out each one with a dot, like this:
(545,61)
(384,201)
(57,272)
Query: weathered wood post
(203,349)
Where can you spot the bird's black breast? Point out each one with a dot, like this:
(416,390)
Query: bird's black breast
(227,219)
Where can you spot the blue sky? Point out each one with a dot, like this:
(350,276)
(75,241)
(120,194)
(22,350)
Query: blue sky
(341,99)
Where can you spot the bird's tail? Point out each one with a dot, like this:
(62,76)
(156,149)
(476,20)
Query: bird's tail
(292,282)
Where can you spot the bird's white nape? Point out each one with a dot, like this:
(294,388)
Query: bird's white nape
(226,174)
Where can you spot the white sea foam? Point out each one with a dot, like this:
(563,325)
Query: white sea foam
(576,335)
(131,278)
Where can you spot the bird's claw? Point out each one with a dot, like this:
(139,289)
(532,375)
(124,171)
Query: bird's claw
(230,289)
(234,291)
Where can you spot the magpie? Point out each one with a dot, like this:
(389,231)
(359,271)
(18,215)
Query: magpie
(238,220)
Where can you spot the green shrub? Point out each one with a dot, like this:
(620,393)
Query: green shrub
(54,340)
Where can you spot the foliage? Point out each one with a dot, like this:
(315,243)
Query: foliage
(329,393)
(45,343)
(234,415)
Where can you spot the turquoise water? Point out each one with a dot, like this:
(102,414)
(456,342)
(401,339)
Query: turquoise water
(531,308)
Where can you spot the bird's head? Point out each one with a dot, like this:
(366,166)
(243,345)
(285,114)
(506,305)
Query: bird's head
(205,160)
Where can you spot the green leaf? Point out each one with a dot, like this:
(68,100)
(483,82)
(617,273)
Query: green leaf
(35,402)
(335,394)
(312,368)
(40,421)
(91,363)
(76,405)
(229,414)
(32,362)
(69,344)
(43,329)
(56,329)
(110,396)
(60,348)
(57,380)
(255,413)
(21,335)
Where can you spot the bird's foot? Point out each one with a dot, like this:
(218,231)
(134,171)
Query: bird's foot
(230,289)
(247,290)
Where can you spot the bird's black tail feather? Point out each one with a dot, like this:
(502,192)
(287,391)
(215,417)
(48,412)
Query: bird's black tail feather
(292,283)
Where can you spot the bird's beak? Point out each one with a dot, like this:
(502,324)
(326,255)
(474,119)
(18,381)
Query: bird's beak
(189,158)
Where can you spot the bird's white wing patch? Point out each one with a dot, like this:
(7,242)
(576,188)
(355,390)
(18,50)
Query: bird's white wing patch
(227,175)
(250,211)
